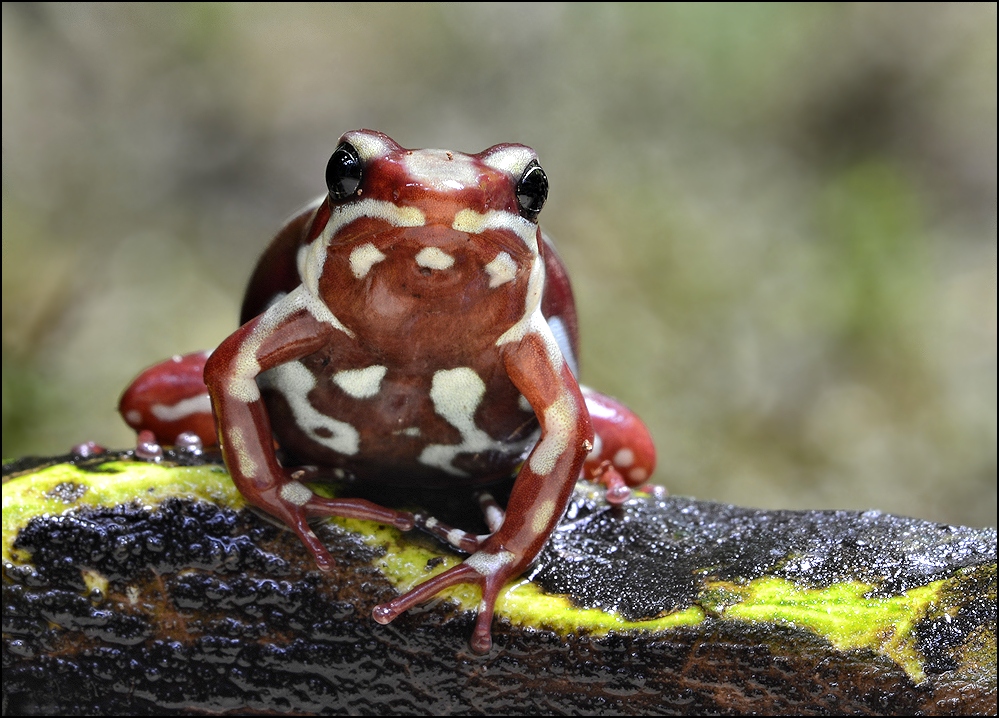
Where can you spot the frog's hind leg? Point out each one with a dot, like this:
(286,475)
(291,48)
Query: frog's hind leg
(623,455)
(462,540)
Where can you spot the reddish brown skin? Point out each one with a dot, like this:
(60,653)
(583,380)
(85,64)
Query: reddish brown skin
(167,384)
(444,340)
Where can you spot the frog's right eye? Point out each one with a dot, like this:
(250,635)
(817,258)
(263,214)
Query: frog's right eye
(532,191)
(343,172)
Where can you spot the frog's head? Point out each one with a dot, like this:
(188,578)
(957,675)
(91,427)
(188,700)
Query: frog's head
(430,231)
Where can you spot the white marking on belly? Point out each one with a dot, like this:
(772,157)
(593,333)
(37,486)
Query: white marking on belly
(434,258)
(295,381)
(559,423)
(638,474)
(456,395)
(133,417)
(200,404)
(363,258)
(296,493)
(501,270)
(361,383)
(624,458)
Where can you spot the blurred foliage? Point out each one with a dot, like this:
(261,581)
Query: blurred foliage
(781,219)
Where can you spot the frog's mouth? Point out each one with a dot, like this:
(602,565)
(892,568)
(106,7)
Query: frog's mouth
(441,256)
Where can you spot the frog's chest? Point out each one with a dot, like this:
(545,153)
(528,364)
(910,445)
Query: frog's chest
(431,300)
(401,417)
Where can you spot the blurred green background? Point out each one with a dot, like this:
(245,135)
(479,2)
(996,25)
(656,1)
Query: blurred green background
(781,219)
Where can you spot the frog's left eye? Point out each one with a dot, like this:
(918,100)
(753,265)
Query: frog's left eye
(343,172)
(532,191)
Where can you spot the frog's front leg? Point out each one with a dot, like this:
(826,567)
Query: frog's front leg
(292,328)
(540,493)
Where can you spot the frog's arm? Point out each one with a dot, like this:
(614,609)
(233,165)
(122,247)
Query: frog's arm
(541,491)
(296,326)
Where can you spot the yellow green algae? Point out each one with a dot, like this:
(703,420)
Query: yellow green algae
(109,484)
(844,613)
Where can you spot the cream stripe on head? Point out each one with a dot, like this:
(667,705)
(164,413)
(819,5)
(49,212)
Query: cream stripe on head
(310,263)
(512,159)
(368,145)
(472,222)
(441,169)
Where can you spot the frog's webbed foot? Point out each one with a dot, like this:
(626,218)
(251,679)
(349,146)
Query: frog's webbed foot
(464,541)
(490,570)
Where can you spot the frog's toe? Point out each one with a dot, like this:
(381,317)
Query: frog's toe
(300,525)
(481,569)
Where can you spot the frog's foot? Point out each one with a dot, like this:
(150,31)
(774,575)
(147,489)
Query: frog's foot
(489,570)
(462,540)
(618,490)
(295,503)
(623,454)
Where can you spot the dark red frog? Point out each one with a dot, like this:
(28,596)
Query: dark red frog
(412,327)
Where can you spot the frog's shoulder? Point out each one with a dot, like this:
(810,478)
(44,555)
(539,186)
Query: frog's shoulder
(277,269)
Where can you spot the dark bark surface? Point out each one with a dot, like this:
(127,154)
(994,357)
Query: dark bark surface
(143,604)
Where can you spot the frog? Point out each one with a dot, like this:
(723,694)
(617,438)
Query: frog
(412,327)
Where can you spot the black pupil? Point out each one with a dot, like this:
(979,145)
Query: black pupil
(532,191)
(343,173)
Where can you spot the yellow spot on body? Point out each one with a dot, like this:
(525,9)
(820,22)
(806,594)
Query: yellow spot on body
(472,222)
(624,458)
(638,474)
(501,270)
(434,258)
(296,493)
(295,381)
(363,258)
(489,564)
(199,404)
(541,516)
(237,444)
(559,422)
(361,383)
